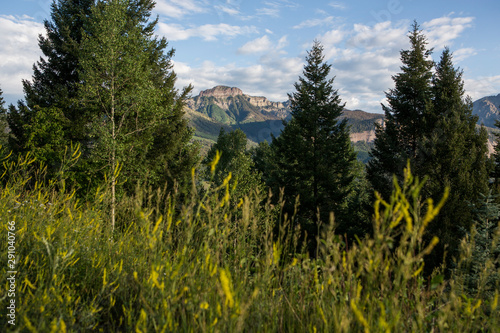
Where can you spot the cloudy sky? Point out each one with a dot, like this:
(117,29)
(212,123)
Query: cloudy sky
(260,45)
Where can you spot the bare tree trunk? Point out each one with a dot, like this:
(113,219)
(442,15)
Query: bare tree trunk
(113,159)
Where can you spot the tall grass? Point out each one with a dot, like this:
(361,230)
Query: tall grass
(218,263)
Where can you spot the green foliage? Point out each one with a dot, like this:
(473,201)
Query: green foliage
(228,162)
(46,134)
(313,156)
(409,104)
(478,271)
(219,267)
(4,136)
(451,131)
(430,123)
(55,77)
(154,136)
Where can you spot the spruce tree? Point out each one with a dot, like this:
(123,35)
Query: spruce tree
(478,269)
(408,105)
(429,122)
(453,154)
(313,156)
(55,76)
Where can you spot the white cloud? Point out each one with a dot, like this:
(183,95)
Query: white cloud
(227,10)
(258,45)
(209,32)
(482,86)
(179,8)
(273,8)
(263,45)
(363,59)
(463,53)
(19,51)
(268,11)
(384,34)
(272,77)
(442,31)
(314,23)
(337,5)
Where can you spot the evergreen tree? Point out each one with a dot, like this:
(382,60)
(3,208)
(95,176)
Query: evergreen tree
(409,103)
(55,77)
(454,155)
(430,123)
(479,272)
(313,156)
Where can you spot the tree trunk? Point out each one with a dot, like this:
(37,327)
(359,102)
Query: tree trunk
(113,159)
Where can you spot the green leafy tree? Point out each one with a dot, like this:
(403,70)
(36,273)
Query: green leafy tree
(130,96)
(408,105)
(313,156)
(55,91)
(233,158)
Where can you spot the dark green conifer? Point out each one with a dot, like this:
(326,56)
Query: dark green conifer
(313,156)
(409,103)
(453,154)
(478,272)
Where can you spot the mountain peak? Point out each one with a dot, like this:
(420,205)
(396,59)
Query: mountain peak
(221,91)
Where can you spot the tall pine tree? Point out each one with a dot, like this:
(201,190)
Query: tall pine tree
(55,76)
(429,122)
(313,155)
(453,154)
(409,103)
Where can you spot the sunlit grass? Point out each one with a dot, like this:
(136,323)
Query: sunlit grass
(215,263)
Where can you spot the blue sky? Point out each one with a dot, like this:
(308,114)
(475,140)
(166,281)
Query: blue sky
(259,46)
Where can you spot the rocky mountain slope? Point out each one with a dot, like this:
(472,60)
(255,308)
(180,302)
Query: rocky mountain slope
(230,108)
(487,108)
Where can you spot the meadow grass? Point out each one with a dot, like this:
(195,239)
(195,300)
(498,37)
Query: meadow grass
(217,263)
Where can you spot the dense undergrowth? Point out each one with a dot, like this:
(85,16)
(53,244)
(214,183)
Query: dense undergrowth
(218,263)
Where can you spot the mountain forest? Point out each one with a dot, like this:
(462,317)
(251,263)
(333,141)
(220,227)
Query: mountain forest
(130,205)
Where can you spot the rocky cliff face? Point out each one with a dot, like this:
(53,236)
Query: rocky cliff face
(366,136)
(221,92)
(487,108)
(230,105)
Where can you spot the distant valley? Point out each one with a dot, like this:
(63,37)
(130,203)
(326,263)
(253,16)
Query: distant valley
(230,108)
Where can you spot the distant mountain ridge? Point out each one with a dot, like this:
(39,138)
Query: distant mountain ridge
(487,108)
(229,105)
(230,108)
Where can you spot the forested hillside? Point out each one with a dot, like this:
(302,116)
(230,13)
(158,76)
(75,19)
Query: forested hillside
(121,217)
